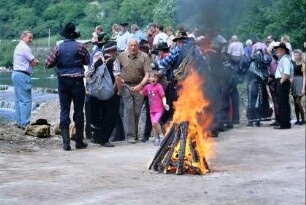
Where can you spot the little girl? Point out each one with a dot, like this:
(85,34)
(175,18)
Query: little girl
(157,102)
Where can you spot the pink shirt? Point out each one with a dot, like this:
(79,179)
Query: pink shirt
(155,94)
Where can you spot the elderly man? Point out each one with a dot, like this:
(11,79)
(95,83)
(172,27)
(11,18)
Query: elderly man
(135,67)
(24,60)
(282,77)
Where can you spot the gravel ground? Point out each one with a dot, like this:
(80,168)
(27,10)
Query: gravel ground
(251,166)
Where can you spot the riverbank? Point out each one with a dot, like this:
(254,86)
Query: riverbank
(13,139)
(7,96)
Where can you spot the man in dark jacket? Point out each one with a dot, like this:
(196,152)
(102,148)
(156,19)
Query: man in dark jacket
(69,57)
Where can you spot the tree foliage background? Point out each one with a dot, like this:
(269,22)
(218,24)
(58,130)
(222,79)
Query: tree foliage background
(245,18)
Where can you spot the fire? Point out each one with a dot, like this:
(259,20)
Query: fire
(190,107)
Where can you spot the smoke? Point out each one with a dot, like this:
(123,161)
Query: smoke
(208,14)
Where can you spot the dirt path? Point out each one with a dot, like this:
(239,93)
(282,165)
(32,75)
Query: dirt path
(252,166)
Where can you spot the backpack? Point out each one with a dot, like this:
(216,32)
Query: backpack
(190,56)
(101,85)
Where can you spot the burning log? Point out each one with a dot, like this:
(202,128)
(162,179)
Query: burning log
(167,160)
(181,155)
(171,156)
(163,149)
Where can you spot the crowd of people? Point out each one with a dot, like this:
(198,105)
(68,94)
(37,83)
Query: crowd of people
(146,69)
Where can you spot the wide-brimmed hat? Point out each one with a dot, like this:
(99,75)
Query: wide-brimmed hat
(180,35)
(283,46)
(41,122)
(110,46)
(69,31)
(163,46)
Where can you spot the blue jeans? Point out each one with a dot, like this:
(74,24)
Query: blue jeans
(71,90)
(23,98)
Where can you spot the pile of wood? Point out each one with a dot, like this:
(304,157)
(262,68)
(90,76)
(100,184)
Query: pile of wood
(171,156)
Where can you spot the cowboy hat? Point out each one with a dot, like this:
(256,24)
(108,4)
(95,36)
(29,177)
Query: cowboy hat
(41,121)
(283,46)
(163,46)
(110,46)
(180,35)
(69,31)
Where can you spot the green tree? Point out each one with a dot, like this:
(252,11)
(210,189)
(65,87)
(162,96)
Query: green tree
(165,12)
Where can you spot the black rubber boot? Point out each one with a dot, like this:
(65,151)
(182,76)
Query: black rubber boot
(94,134)
(66,138)
(79,136)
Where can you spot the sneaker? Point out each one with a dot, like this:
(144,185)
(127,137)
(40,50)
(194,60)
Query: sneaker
(161,137)
(257,124)
(302,123)
(157,141)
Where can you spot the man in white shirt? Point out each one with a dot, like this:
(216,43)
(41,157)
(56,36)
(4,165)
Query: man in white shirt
(282,77)
(235,49)
(123,37)
(161,36)
(24,61)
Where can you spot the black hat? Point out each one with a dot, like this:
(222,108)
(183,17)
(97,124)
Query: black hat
(283,46)
(143,41)
(41,122)
(124,24)
(69,31)
(163,46)
(110,46)
(180,35)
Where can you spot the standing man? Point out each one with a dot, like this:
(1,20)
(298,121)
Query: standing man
(282,78)
(123,37)
(70,58)
(135,67)
(137,33)
(24,60)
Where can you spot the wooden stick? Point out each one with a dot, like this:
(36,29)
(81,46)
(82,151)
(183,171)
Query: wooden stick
(166,161)
(181,156)
(163,148)
(204,162)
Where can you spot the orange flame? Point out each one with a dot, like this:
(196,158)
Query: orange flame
(191,106)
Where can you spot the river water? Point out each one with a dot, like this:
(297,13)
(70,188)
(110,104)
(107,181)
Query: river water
(43,81)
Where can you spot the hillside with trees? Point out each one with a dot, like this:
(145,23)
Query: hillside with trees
(245,18)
